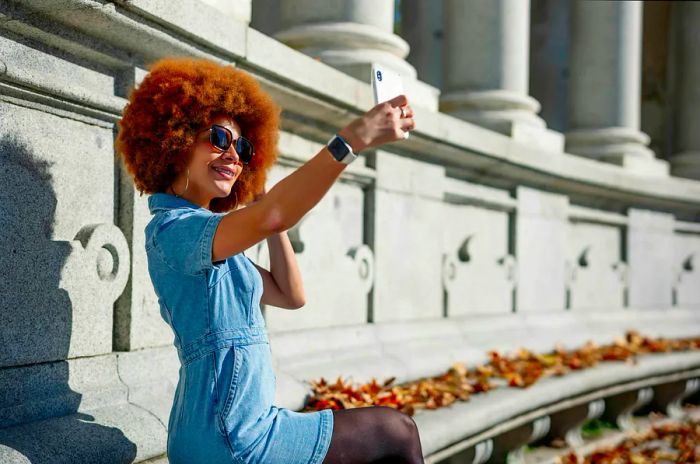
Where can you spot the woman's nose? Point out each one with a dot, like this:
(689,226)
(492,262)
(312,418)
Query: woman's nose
(231,153)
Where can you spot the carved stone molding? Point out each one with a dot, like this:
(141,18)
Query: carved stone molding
(106,249)
(620,408)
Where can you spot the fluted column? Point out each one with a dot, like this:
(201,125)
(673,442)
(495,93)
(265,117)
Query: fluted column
(347,34)
(486,67)
(604,86)
(686,135)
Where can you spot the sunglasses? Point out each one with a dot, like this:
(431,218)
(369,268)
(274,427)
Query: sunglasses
(222,138)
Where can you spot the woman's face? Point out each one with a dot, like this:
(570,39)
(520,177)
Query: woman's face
(205,183)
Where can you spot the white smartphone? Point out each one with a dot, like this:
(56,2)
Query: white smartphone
(386,84)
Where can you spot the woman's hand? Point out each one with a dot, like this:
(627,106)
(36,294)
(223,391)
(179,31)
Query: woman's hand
(381,124)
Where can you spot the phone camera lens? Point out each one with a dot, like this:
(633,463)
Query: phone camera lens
(379,76)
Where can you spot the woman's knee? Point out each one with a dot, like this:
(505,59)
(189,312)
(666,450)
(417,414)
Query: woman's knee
(398,425)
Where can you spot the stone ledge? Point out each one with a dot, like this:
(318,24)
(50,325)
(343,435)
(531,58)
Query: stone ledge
(127,432)
(488,415)
(414,349)
(132,395)
(121,433)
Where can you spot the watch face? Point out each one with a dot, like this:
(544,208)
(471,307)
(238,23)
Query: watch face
(338,148)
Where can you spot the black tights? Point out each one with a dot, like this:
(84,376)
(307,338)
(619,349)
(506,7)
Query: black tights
(374,435)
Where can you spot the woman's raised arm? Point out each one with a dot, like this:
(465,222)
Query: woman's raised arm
(292,197)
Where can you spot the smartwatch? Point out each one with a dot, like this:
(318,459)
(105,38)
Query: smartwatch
(341,149)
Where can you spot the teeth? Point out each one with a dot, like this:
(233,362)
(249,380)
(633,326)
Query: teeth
(224,170)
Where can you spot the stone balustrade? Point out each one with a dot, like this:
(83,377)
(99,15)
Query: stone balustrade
(464,238)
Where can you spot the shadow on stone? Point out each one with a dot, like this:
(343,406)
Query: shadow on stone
(36,316)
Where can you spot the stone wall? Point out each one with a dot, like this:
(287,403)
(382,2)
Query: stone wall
(476,216)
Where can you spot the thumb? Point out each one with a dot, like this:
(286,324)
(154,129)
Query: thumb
(399,100)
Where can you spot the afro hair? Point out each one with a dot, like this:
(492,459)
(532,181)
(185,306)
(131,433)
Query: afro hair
(175,100)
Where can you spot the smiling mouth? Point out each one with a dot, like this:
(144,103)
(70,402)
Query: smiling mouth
(224,173)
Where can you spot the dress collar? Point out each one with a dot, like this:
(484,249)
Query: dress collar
(163,201)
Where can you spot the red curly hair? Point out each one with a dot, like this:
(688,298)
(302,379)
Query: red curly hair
(177,99)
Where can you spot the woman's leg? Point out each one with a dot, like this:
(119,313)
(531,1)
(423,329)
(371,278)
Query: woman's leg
(374,434)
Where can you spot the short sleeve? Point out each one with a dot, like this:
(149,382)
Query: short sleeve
(184,239)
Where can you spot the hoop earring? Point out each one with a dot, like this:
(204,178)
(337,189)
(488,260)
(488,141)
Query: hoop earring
(186,185)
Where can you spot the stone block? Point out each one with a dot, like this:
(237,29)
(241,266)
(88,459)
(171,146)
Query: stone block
(57,388)
(67,262)
(407,246)
(597,277)
(205,19)
(32,64)
(537,137)
(479,273)
(686,270)
(650,252)
(643,166)
(540,247)
(240,9)
(137,319)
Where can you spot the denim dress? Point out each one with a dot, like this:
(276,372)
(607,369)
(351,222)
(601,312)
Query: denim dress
(222,410)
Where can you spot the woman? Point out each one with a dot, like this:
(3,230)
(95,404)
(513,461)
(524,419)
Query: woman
(199,137)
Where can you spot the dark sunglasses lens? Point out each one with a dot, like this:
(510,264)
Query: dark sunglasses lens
(220,138)
(244,148)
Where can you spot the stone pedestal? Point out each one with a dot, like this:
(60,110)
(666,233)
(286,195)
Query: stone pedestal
(604,86)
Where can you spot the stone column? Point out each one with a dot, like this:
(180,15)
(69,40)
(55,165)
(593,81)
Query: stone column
(351,35)
(604,86)
(346,34)
(486,69)
(686,75)
(422,27)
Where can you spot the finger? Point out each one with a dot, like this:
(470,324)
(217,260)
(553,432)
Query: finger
(405,112)
(408,124)
(399,100)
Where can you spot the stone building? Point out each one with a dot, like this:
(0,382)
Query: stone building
(547,196)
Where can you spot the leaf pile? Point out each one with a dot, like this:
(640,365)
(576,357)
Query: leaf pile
(520,369)
(664,443)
